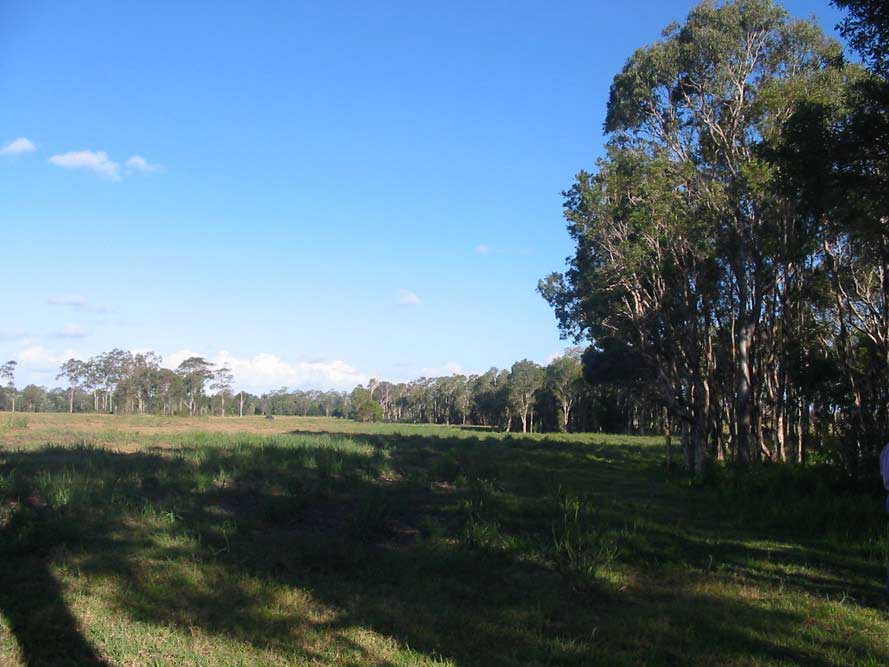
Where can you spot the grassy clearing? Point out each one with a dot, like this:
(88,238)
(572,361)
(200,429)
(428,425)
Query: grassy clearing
(146,541)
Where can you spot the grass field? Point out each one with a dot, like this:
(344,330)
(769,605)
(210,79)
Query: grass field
(154,541)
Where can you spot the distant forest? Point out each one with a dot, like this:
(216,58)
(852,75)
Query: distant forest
(527,397)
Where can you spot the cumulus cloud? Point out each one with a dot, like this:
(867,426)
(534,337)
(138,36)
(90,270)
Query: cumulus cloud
(265,371)
(408,298)
(43,360)
(16,146)
(173,360)
(139,163)
(483,249)
(97,161)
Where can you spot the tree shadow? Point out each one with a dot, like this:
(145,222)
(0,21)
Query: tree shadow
(33,603)
(441,544)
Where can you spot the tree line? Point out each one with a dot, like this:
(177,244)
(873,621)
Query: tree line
(528,397)
(121,381)
(732,246)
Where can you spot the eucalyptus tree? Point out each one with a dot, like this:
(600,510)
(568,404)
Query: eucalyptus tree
(33,398)
(113,367)
(642,274)
(7,375)
(676,232)
(388,394)
(168,387)
(143,379)
(866,26)
(564,377)
(92,380)
(461,397)
(525,380)
(482,394)
(195,372)
(223,381)
(833,163)
(74,371)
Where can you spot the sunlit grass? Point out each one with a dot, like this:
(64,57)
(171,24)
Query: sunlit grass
(148,541)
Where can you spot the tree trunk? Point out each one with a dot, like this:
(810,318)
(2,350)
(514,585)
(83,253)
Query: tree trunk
(801,431)
(700,424)
(743,404)
(781,433)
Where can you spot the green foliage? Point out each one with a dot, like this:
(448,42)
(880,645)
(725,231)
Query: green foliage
(731,250)
(369,411)
(866,26)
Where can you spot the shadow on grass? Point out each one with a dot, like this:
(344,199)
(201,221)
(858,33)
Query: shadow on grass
(444,544)
(33,604)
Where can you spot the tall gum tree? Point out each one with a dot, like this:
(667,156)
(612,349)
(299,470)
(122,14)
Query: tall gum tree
(676,232)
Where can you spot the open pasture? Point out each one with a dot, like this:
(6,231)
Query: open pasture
(209,541)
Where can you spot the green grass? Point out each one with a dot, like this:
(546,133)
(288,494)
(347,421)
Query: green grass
(149,541)
(13,422)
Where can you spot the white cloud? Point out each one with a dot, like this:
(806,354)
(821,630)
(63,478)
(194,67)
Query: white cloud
(139,163)
(97,161)
(43,360)
(265,371)
(483,249)
(173,360)
(450,368)
(408,298)
(72,331)
(16,146)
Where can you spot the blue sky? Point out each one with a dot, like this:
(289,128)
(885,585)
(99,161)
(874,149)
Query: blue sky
(313,193)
